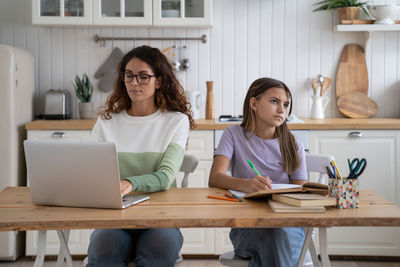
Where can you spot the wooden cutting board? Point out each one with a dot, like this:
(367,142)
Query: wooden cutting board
(357,105)
(352,73)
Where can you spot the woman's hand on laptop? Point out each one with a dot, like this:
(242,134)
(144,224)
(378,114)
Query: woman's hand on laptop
(126,187)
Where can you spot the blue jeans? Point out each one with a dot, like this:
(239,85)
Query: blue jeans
(148,247)
(268,246)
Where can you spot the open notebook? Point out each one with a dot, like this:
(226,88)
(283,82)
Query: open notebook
(276,188)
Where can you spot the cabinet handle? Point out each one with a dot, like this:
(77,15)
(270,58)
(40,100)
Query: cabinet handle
(58,135)
(355,134)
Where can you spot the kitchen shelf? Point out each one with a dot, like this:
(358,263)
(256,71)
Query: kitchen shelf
(366,27)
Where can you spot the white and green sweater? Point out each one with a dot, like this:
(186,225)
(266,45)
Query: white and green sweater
(150,148)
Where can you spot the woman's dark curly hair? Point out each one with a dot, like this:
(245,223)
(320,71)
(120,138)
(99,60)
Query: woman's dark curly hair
(170,96)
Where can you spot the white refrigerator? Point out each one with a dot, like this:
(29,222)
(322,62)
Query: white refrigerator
(17,86)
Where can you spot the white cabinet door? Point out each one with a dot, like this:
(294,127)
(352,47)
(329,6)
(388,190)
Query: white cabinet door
(78,239)
(201,143)
(64,12)
(122,12)
(222,242)
(380,149)
(182,12)
(198,240)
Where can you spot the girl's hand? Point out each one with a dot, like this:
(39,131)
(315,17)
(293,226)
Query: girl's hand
(126,187)
(258,183)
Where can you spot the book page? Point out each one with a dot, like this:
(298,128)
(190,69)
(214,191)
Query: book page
(285,186)
(305,196)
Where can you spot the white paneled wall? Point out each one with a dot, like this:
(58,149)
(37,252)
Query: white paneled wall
(283,39)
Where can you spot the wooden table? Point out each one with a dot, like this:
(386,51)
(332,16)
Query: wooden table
(186,207)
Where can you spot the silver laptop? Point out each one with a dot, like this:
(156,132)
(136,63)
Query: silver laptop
(75,174)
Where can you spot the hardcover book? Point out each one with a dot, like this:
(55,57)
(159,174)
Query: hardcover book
(280,207)
(305,199)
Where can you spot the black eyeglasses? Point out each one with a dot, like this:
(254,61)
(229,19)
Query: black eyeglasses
(140,78)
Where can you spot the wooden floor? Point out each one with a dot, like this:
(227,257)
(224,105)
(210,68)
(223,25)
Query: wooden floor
(27,262)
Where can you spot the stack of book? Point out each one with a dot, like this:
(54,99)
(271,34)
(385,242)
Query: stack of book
(300,202)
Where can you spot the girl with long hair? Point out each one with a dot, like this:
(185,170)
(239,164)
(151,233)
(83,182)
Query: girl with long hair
(263,138)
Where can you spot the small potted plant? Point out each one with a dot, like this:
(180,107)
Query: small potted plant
(84,92)
(347,9)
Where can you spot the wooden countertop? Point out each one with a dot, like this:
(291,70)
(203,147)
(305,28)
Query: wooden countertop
(202,124)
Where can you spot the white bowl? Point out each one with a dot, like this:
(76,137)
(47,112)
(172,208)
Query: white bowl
(384,14)
(173,13)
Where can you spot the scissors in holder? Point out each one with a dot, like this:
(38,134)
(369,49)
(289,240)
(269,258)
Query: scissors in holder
(357,167)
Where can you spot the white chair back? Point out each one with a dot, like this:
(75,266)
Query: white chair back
(189,165)
(315,162)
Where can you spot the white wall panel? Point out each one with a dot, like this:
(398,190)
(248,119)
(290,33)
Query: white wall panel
(239,78)
(44,68)
(228,56)
(283,39)
(216,62)
(69,65)
(301,87)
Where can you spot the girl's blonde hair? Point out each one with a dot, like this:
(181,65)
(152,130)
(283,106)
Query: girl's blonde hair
(287,143)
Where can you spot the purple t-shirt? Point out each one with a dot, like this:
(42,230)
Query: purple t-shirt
(264,154)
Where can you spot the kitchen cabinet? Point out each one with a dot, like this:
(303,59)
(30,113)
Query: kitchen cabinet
(64,12)
(201,144)
(381,149)
(182,12)
(125,12)
(122,12)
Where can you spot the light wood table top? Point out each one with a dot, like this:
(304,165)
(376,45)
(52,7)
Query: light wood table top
(187,207)
(202,124)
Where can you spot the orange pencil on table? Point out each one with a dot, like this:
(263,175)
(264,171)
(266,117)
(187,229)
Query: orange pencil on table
(224,198)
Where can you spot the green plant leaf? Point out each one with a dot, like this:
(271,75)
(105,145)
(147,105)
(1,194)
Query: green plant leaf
(83,88)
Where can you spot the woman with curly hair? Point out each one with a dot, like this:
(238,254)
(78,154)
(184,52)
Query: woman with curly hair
(148,117)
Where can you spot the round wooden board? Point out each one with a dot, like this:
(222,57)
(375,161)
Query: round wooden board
(352,73)
(357,105)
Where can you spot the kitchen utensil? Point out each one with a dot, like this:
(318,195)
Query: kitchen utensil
(384,14)
(357,105)
(185,63)
(175,62)
(315,85)
(320,79)
(352,73)
(195,102)
(325,85)
(318,106)
(210,101)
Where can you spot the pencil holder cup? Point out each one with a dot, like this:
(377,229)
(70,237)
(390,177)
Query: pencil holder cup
(346,191)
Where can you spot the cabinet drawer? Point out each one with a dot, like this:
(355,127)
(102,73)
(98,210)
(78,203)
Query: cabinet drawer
(201,144)
(77,135)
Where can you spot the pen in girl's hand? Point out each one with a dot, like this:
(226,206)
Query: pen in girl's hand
(254,168)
